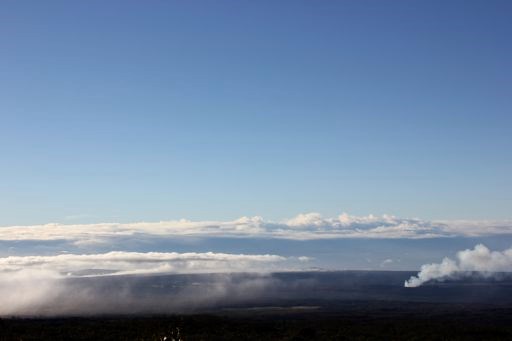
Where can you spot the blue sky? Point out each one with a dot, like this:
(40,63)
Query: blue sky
(119,118)
(125,111)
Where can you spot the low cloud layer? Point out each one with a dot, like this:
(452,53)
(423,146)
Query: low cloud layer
(479,260)
(38,294)
(128,263)
(82,284)
(308,226)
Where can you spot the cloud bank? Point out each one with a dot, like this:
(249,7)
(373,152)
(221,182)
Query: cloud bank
(128,263)
(93,283)
(307,226)
(480,260)
(39,294)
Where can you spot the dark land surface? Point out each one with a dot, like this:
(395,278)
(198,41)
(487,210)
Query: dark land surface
(354,305)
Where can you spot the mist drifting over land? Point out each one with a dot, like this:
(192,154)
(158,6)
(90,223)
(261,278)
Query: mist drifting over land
(74,284)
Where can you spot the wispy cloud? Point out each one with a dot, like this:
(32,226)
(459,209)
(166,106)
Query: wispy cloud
(386,262)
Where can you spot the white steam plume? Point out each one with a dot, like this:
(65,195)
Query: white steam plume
(480,259)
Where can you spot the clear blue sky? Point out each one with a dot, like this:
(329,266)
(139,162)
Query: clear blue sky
(154,110)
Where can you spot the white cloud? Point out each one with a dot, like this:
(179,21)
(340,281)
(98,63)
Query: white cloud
(120,262)
(302,227)
(480,260)
(386,262)
(49,285)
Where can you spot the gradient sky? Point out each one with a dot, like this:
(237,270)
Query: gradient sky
(153,110)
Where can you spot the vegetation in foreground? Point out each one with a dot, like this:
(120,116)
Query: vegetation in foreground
(427,323)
